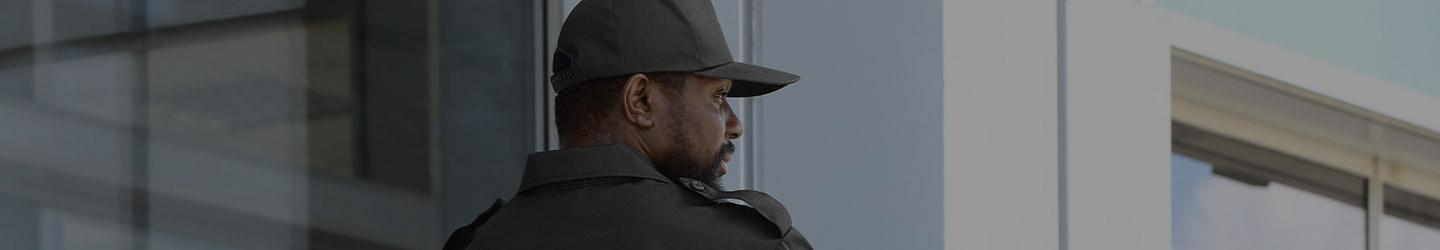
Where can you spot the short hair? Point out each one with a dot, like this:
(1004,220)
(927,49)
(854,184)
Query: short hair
(581,109)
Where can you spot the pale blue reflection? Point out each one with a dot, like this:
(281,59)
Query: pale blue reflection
(1399,234)
(1215,213)
(1393,40)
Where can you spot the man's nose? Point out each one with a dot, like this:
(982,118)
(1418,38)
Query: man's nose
(733,128)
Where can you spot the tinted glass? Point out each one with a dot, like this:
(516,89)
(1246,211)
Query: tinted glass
(267,124)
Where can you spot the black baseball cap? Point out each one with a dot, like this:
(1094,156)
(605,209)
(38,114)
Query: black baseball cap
(608,38)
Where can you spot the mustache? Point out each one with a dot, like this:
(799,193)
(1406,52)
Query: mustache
(727,148)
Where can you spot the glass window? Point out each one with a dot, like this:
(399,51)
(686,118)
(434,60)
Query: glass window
(1212,211)
(1228,194)
(1411,221)
(274,124)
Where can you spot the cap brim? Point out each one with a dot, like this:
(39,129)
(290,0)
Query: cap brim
(750,80)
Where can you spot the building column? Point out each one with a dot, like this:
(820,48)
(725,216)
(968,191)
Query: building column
(1001,126)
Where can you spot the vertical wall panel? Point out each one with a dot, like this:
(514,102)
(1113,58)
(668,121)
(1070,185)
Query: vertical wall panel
(1001,125)
(1117,137)
(854,148)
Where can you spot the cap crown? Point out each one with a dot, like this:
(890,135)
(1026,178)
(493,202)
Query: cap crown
(606,38)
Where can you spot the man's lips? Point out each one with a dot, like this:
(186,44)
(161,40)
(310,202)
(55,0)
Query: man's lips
(727,150)
(724,162)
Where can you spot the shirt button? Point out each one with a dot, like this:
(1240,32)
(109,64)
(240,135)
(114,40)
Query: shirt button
(697,185)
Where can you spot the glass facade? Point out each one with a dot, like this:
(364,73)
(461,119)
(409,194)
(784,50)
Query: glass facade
(1392,40)
(265,124)
(1231,194)
(1411,221)
(1220,209)
(1400,234)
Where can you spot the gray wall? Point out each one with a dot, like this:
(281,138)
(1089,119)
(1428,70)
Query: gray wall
(854,148)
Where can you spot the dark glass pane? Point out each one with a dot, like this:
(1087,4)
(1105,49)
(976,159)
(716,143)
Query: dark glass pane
(273,124)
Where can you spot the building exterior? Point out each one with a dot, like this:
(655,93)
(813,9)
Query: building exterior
(918,124)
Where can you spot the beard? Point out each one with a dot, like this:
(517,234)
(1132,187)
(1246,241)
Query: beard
(685,161)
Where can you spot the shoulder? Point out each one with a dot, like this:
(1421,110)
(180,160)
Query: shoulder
(636,214)
(756,204)
(750,201)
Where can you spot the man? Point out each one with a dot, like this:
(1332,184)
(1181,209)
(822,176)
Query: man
(645,130)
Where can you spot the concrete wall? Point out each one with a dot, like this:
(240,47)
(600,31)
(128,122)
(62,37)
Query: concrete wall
(1001,125)
(1056,132)
(1116,158)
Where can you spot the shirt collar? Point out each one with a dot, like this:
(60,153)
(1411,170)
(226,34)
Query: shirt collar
(588,162)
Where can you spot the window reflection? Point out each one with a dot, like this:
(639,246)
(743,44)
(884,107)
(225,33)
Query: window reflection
(1217,212)
(268,124)
(1411,221)
(1400,234)
(1231,194)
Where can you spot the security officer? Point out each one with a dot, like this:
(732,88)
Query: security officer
(645,130)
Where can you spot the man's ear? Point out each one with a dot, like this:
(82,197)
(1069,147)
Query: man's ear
(638,100)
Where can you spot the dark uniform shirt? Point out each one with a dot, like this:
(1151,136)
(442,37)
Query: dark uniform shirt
(611,197)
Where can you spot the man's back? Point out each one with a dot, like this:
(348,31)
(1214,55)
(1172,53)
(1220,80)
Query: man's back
(650,81)
(607,197)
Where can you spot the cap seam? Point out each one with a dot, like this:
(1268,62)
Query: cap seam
(694,34)
(615,37)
